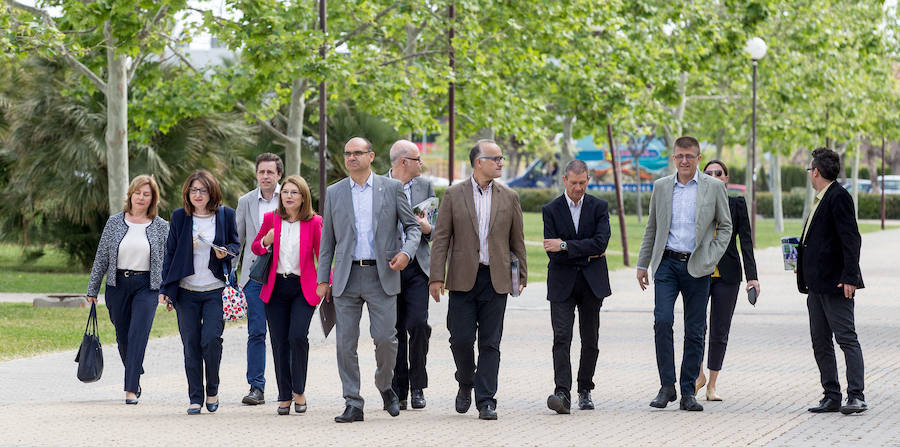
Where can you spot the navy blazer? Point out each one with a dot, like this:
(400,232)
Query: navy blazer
(179,260)
(830,253)
(585,245)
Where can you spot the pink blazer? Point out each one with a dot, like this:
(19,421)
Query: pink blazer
(310,234)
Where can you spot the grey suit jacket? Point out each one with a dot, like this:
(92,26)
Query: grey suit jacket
(247,216)
(713,224)
(421,190)
(389,206)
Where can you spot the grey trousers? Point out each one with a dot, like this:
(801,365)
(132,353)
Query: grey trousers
(363,286)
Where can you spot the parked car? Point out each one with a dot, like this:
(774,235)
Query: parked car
(737,188)
(891,183)
(865,185)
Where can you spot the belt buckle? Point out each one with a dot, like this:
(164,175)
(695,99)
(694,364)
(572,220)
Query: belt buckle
(126,273)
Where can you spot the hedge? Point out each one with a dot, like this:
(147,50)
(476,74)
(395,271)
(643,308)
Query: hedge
(532,199)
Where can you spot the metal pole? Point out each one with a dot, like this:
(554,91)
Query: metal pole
(452,99)
(323,117)
(883,211)
(619,201)
(752,170)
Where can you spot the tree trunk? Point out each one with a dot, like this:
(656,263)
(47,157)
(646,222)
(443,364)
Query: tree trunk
(293,149)
(116,124)
(749,184)
(720,141)
(873,153)
(777,207)
(855,180)
(810,191)
(565,147)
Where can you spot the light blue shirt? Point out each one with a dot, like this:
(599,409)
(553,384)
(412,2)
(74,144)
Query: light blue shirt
(362,211)
(407,189)
(683,228)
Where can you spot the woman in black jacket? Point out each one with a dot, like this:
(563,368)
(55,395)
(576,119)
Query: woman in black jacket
(726,282)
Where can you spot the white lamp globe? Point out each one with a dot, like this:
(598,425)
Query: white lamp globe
(756,48)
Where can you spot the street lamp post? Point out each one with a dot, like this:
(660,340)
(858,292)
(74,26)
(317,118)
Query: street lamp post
(756,48)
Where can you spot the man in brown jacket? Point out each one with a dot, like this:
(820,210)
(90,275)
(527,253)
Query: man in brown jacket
(479,227)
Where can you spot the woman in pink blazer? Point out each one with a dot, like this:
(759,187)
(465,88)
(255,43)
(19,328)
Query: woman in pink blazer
(291,233)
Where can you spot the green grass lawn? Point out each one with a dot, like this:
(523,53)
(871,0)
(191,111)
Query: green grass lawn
(26,331)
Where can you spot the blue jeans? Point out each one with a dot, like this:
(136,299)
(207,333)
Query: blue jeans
(672,278)
(256,336)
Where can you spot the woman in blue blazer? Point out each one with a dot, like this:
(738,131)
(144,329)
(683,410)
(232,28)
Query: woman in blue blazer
(193,275)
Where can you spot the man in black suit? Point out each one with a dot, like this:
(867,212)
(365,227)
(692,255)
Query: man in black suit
(828,271)
(576,232)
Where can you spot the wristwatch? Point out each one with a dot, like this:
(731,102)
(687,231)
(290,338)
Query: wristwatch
(563,245)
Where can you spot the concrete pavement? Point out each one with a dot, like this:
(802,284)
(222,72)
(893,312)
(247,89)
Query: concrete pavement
(768,380)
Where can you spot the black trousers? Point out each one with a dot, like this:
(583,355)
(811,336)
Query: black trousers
(478,311)
(722,300)
(289,316)
(200,324)
(833,314)
(413,331)
(132,306)
(562,317)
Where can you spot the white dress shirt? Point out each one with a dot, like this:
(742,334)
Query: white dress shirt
(683,229)
(203,279)
(134,250)
(407,189)
(289,248)
(575,210)
(267,206)
(362,211)
(483,210)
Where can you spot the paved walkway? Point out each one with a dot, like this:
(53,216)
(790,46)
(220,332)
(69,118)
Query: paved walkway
(768,380)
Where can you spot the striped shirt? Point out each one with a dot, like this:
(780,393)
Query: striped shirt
(483,211)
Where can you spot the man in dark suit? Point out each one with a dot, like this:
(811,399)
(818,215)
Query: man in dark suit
(828,271)
(576,233)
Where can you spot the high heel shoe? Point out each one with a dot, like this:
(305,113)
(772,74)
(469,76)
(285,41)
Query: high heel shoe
(712,396)
(212,407)
(284,411)
(701,382)
(300,408)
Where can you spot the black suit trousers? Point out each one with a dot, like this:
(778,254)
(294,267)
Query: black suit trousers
(562,317)
(833,314)
(413,331)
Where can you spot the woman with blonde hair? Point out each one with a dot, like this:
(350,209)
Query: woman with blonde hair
(291,233)
(130,255)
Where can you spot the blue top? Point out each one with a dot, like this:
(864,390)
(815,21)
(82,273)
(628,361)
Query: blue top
(683,229)
(362,211)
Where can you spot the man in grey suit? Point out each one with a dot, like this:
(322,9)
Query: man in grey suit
(410,376)
(359,234)
(688,230)
(250,210)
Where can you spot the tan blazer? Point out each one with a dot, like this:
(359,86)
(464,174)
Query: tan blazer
(713,225)
(455,238)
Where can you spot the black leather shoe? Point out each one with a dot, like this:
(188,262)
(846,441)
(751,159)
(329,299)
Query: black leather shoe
(666,394)
(854,405)
(463,399)
(826,405)
(391,402)
(255,397)
(689,403)
(487,412)
(212,407)
(138,394)
(403,404)
(417,398)
(584,400)
(284,411)
(300,408)
(559,402)
(131,401)
(351,414)
(193,410)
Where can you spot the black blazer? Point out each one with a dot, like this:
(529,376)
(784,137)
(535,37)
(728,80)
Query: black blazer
(830,253)
(730,264)
(179,259)
(590,239)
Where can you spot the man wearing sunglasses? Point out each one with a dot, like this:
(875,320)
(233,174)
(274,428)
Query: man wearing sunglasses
(688,230)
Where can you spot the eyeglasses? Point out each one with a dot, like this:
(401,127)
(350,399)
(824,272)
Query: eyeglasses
(714,172)
(200,191)
(355,154)
(497,159)
(290,193)
(809,169)
(417,159)
(688,157)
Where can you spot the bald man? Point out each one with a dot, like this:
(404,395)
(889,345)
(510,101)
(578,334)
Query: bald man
(359,235)
(413,331)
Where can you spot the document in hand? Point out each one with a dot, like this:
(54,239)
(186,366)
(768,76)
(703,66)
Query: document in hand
(789,251)
(429,207)
(327,315)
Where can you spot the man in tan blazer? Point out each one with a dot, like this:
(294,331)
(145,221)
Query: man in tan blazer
(688,230)
(478,228)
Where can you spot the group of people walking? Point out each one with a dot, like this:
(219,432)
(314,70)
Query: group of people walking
(370,247)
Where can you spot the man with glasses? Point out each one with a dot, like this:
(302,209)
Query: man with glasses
(828,271)
(413,330)
(250,211)
(688,230)
(478,228)
(359,234)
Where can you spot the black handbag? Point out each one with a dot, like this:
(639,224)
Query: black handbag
(90,354)
(259,271)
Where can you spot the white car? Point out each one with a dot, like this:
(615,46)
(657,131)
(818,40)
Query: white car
(891,183)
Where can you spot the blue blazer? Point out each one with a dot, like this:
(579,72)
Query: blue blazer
(179,259)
